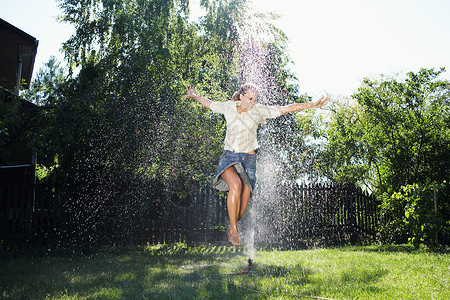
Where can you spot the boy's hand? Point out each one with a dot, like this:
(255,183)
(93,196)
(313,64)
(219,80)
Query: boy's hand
(190,92)
(320,102)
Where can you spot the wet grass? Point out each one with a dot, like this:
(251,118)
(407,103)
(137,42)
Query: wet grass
(208,272)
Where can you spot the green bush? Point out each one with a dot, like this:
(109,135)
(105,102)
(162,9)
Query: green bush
(420,213)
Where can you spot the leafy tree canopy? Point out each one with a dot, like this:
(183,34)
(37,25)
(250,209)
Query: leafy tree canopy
(120,109)
(397,132)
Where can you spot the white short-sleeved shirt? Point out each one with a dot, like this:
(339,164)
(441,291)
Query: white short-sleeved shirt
(242,128)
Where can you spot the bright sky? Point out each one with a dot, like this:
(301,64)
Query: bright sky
(333,44)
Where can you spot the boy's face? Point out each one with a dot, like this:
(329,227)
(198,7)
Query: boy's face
(249,97)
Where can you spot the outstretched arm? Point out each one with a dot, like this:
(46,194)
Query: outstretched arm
(301,106)
(205,102)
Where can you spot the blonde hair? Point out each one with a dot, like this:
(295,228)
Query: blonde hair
(244,88)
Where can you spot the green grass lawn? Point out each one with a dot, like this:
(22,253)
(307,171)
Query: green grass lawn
(207,272)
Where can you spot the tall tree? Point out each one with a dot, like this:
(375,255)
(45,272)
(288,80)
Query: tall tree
(396,133)
(394,138)
(118,127)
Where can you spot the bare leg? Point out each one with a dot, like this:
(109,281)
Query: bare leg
(231,177)
(245,197)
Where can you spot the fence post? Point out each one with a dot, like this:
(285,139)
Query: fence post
(435,211)
(351,200)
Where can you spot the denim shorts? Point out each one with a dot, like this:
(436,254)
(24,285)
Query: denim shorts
(245,165)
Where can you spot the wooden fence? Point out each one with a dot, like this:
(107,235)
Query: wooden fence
(298,216)
(16,206)
(327,214)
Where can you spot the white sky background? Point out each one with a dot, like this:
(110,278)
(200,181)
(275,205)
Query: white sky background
(334,44)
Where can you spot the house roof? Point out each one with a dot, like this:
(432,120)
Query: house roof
(17,31)
(17,55)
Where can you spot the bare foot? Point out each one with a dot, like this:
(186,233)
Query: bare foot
(233,237)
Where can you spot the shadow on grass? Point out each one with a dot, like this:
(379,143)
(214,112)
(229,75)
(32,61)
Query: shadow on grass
(169,272)
(300,281)
(144,273)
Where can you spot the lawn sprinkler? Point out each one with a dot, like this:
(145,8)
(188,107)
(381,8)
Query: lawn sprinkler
(249,267)
(248,270)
